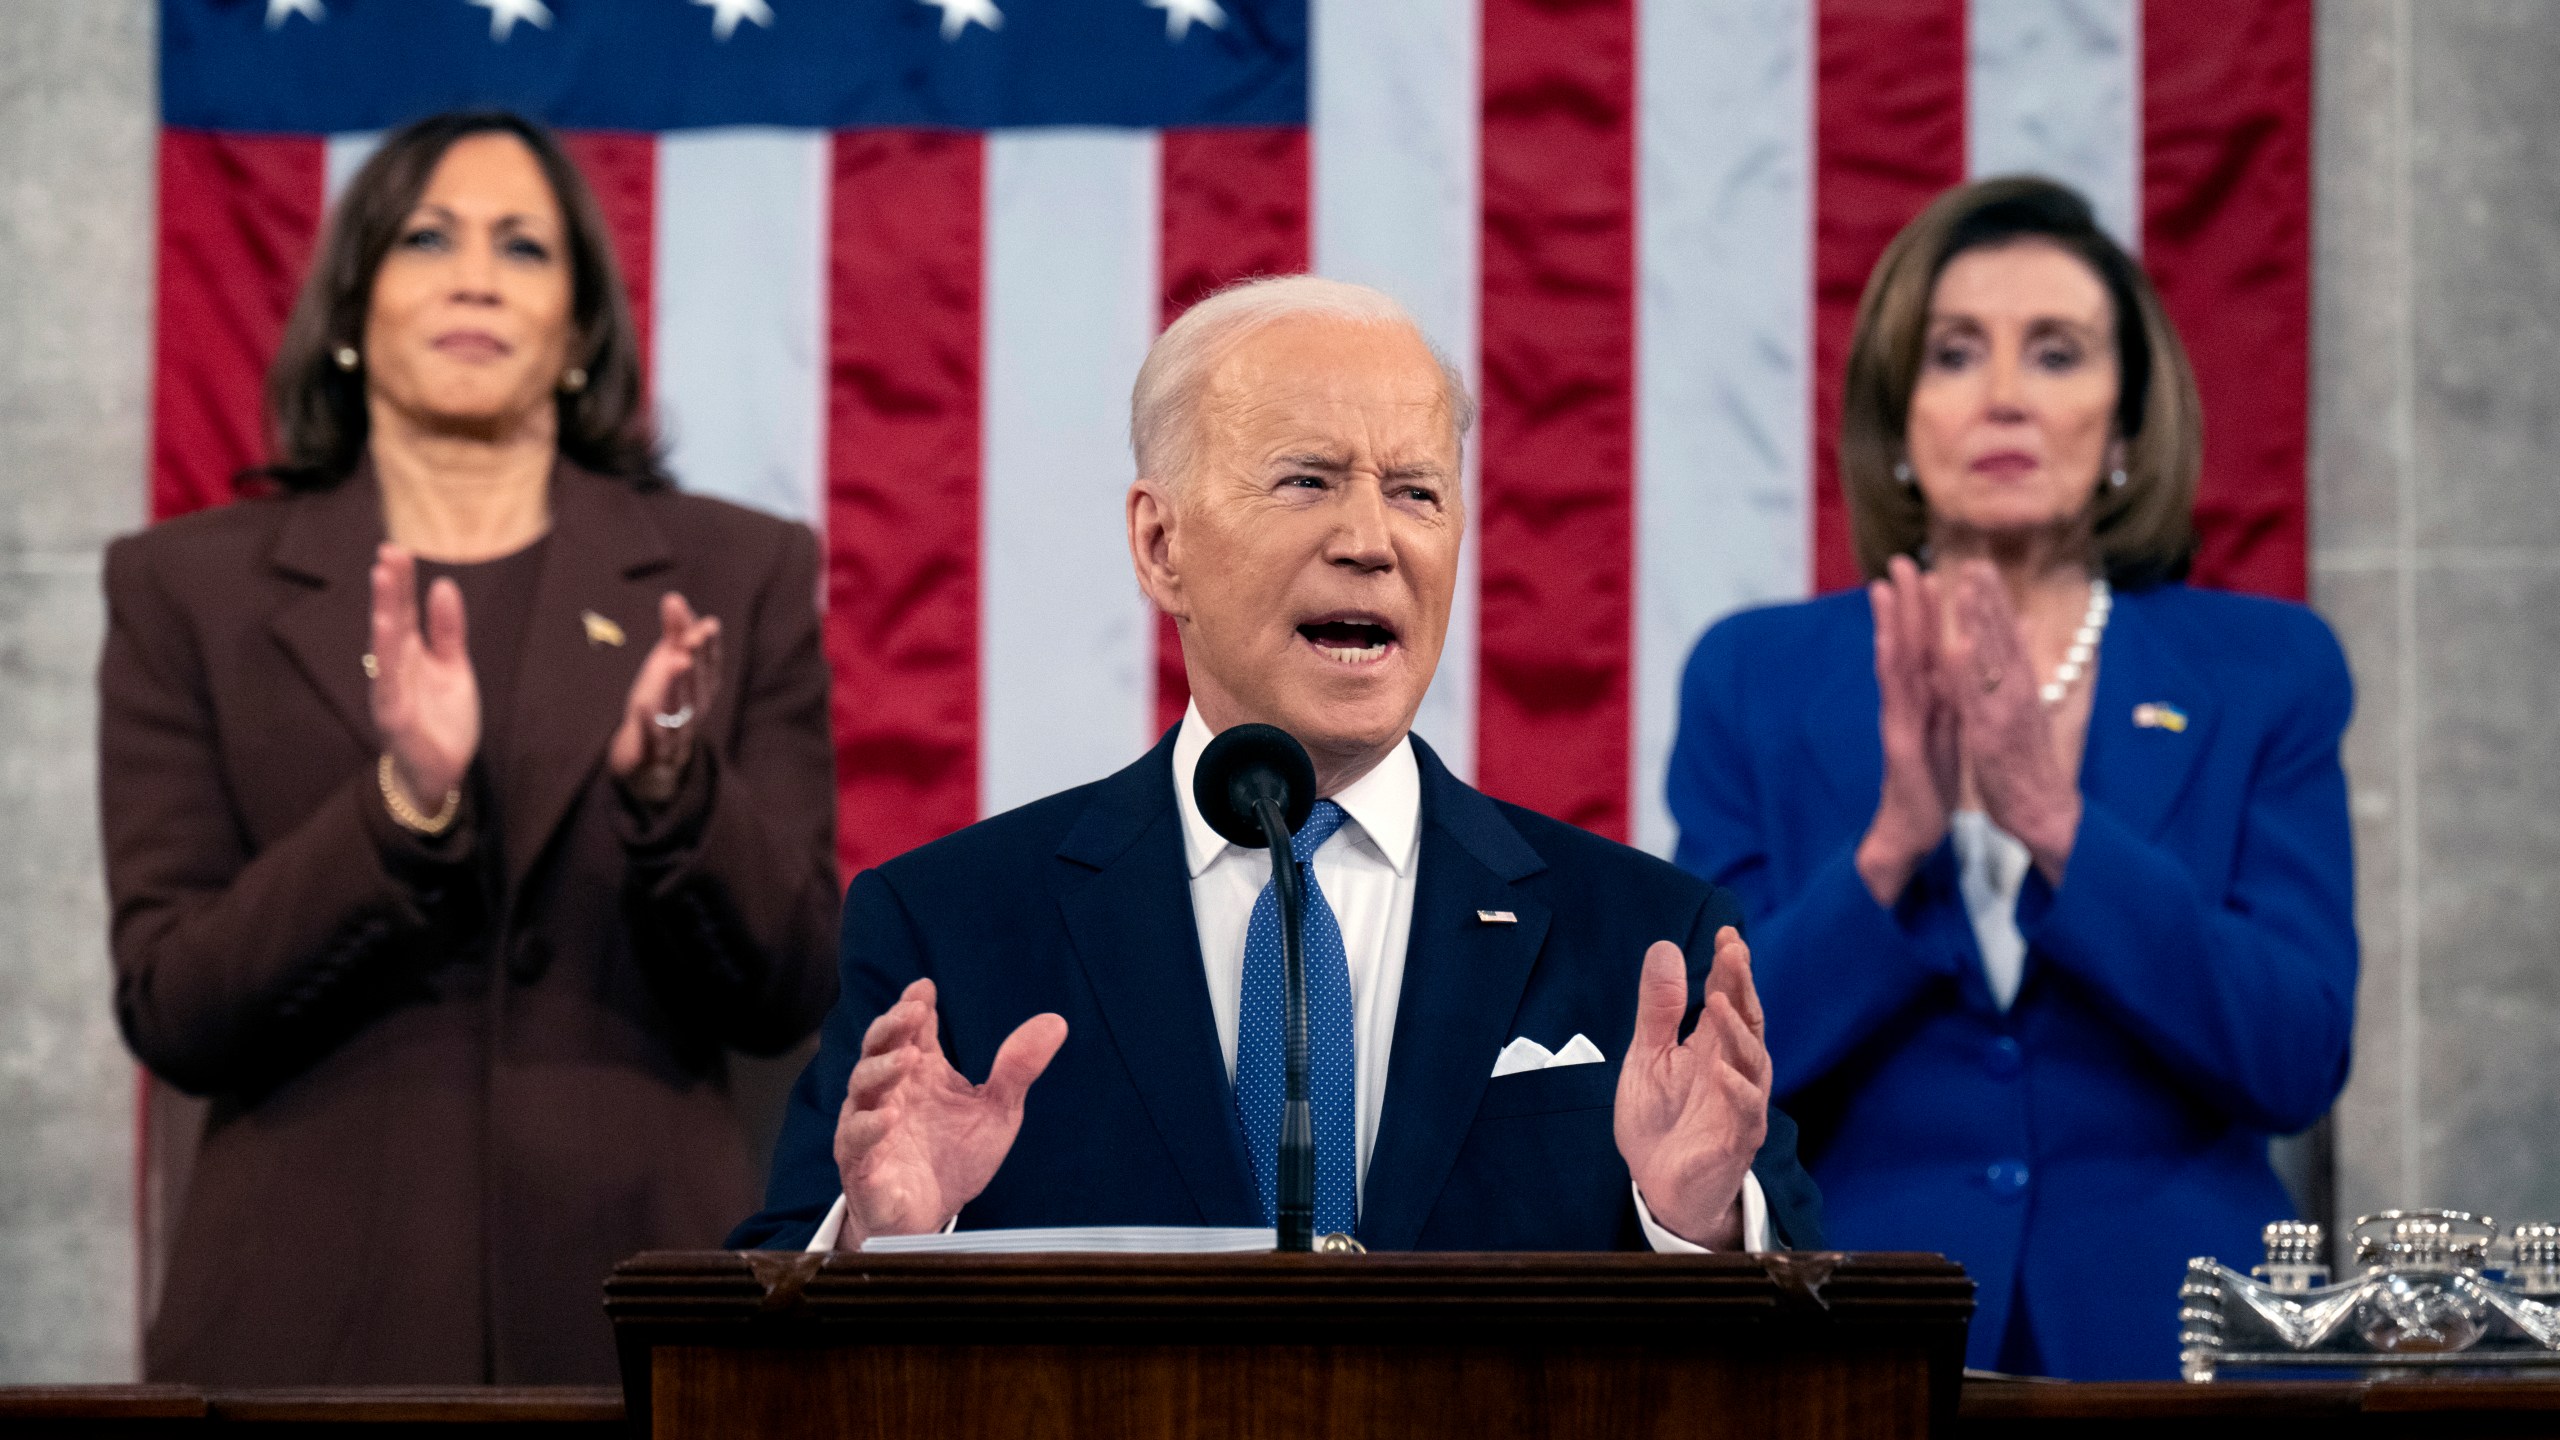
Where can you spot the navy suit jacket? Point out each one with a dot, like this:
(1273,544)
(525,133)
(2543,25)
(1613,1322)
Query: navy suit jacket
(2189,989)
(1081,904)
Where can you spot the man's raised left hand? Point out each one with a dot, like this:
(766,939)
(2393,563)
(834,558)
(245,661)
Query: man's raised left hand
(1692,1113)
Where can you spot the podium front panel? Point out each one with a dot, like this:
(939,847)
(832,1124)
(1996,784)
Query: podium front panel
(754,1345)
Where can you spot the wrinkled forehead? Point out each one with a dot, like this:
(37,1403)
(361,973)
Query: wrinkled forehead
(1370,388)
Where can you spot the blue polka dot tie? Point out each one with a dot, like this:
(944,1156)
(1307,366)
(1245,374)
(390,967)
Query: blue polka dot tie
(1262,1041)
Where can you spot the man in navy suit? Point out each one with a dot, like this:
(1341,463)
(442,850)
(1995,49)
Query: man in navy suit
(1525,1037)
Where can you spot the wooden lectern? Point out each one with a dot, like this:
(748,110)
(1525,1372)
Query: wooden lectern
(1280,1346)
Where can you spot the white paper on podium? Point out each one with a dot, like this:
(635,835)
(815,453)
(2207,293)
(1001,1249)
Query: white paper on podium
(1082,1239)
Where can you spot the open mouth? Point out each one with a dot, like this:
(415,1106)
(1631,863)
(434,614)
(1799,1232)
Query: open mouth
(1349,642)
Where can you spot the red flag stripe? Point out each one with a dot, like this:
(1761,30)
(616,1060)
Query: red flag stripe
(2226,235)
(904,319)
(1888,137)
(239,216)
(1235,206)
(622,169)
(1556,556)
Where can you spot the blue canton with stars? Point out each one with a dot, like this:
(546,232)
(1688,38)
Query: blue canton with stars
(319,67)
(1262,1044)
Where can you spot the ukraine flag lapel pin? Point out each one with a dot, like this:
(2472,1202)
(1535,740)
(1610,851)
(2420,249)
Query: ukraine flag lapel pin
(2152,715)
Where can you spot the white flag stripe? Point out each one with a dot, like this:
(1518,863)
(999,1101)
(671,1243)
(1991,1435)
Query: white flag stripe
(2054,88)
(1066,684)
(740,284)
(344,156)
(1723,374)
(1393,117)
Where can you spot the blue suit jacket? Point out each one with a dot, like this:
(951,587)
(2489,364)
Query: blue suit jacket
(1081,904)
(2189,989)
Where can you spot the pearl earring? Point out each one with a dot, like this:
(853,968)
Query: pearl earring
(2117,479)
(1902,472)
(347,358)
(574,381)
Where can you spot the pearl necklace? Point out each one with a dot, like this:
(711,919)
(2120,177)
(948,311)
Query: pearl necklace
(2084,643)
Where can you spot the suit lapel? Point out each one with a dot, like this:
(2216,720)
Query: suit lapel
(607,557)
(1462,985)
(1127,907)
(327,542)
(2139,771)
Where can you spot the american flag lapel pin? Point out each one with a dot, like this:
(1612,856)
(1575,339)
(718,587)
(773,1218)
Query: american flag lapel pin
(1496,917)
(2152,715)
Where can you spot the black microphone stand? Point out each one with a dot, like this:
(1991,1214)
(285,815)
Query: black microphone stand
(1297,1178)
(1255,784)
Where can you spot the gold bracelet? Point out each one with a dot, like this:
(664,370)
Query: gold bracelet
(406,813)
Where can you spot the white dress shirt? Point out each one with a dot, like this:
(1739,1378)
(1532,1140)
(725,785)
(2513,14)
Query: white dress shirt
(1366,870)
(1991,868)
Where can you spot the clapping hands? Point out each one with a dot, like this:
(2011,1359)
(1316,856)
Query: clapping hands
(664,711)
(1923,760)
(1960,703)
(426,701)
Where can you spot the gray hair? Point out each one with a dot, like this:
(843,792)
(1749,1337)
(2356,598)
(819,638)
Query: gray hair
(1163,406)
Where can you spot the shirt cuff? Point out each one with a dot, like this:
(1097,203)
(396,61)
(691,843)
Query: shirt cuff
(831,1229)
(1755,1223)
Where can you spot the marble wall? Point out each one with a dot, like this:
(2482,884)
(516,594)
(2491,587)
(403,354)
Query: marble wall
(2436,553)
(2437,556)
(76,105)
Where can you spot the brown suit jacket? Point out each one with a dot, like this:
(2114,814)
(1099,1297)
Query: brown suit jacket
(449,1092)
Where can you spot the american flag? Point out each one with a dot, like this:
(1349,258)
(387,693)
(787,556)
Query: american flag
(897,262)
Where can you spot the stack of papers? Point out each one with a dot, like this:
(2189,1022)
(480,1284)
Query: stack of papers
(1081,1239)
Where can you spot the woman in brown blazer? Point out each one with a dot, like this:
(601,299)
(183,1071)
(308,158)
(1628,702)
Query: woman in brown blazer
(464,802)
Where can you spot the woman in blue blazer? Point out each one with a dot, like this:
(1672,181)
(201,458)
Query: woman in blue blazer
(2043,1025)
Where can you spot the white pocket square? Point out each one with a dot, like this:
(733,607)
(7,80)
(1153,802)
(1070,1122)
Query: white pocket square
(1527,1054)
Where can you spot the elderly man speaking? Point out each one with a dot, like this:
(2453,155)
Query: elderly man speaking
(1524,1037)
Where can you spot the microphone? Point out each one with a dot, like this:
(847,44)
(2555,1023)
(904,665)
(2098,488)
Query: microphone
(1255,786)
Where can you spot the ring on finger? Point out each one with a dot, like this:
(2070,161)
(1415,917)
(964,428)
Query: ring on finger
(674,719)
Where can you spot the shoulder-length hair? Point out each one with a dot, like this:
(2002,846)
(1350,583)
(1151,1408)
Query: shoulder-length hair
(2145,529)
(316,410)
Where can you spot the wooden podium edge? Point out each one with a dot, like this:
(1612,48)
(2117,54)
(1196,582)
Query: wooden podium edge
(790,1299)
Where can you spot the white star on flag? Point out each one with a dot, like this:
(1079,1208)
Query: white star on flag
(725,15)
(957,15)
(1178,15)
(279,11)
(503,15)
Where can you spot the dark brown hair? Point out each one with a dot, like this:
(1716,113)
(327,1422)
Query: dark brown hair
(316,410)
(2145,530)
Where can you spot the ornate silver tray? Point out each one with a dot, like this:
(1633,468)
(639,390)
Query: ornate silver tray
(2438,1290)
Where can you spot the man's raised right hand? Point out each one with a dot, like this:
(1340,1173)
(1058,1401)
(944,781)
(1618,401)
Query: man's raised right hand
(915,1140)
